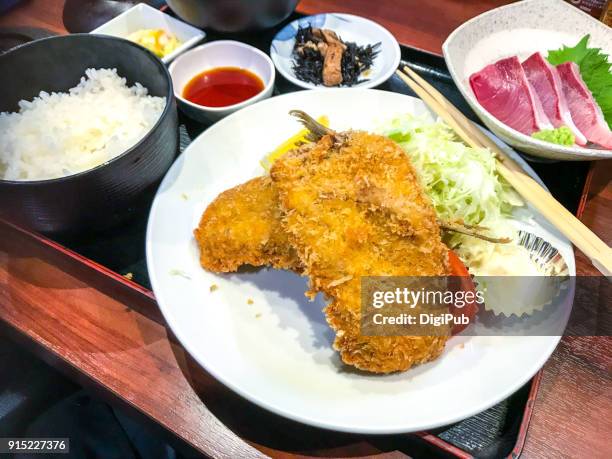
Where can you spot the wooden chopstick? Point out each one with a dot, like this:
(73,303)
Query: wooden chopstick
(580,235)
(455,113)
(509,169)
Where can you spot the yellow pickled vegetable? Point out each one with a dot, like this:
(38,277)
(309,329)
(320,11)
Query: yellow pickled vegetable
(290,144)
(158,41)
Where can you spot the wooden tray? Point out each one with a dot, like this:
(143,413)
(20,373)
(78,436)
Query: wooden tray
(98,264)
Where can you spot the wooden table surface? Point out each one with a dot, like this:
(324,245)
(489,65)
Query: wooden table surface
(115,341)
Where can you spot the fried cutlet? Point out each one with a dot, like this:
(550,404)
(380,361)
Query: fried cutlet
(242,226)
(352,206)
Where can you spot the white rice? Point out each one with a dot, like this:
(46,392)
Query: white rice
(61,134)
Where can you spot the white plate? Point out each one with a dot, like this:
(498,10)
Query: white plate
(277,351)
(143,16)
(348,27)
(521,29)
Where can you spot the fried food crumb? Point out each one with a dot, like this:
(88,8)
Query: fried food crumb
(184,196)
(250,301)
(340,281)
(129,276)
(258,315)
(214,287)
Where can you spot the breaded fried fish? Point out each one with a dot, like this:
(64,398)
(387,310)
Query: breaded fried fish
(242,226)
(352,206)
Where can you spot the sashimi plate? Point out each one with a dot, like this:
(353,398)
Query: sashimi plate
(521,29)
(256,332)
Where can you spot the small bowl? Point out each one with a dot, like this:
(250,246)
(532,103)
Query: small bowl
(521,29)
(222,53)
(108,194)
(143,16)
(348,27)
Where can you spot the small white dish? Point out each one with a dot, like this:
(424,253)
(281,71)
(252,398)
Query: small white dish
(222,53)
(520,29)
(143,16)
(348,27)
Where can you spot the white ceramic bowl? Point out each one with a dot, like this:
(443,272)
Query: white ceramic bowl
(222,53)
(350,28)
(521,29)
(143,16)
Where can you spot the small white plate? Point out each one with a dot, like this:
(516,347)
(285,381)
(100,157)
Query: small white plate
(143,16)
(348,27)
(521,29)
(277,352)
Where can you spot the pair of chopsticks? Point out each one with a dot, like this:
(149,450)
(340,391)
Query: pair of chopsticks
(582,237)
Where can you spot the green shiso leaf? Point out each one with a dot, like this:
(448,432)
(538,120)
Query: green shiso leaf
(595,70)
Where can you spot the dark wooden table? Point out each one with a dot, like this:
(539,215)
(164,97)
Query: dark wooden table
(115,341)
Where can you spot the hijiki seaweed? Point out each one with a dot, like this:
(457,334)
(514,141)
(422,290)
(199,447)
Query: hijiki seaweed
(321,57)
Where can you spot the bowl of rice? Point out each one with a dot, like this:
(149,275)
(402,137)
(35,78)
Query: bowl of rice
(88,127)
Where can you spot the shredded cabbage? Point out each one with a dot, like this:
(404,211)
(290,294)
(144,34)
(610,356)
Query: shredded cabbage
(461,181)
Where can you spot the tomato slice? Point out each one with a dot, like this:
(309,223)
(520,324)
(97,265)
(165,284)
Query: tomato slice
(465,283)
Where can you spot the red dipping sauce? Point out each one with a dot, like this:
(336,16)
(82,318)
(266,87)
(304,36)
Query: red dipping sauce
(222,86)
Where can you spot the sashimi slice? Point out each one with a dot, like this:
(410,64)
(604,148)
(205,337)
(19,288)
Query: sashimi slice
(502,88)
(545,81)
(585,112)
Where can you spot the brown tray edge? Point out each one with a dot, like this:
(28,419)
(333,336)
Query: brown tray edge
(154,313)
